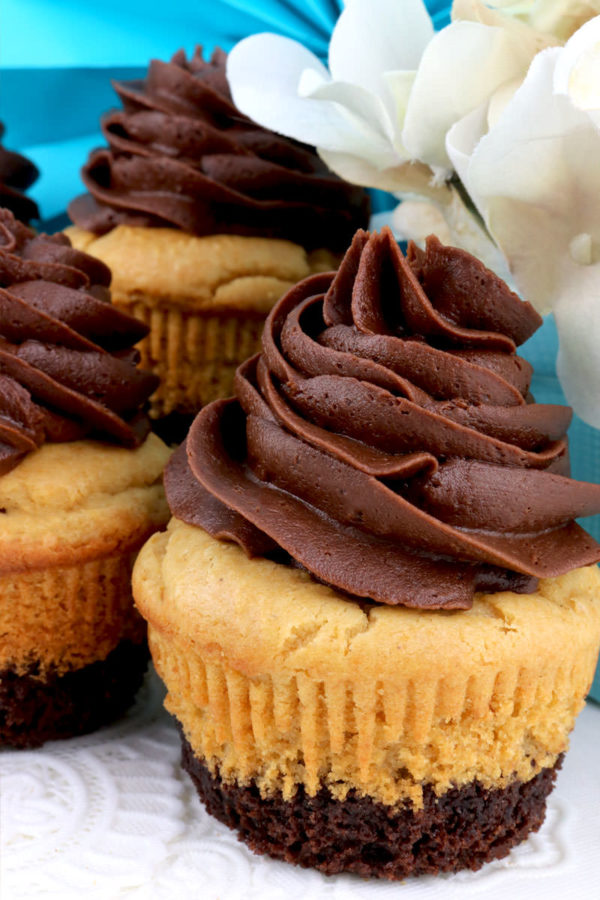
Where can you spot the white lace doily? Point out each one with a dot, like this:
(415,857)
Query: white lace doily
(112,815)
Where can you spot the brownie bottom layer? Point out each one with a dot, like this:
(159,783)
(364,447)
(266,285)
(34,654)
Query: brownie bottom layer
(35,710)
(462,829)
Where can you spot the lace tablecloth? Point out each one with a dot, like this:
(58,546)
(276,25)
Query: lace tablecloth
(112,815)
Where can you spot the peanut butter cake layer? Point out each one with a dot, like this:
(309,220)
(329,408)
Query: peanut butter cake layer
(80,490)
(205,219)
(375,615)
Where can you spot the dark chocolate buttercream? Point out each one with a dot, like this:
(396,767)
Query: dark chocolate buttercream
(181,154)
(17,173)
(386,439)
(68,368)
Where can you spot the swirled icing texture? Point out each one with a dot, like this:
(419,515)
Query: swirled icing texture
(68,368)
(181,154)
(385,438)
(17,173)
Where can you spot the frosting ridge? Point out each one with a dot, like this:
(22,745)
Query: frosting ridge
(17,173)
(385,438)
(68,367)
(182,155)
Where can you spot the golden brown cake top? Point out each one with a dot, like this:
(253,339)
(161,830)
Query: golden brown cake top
(68,366)
(385,439)
(181,154)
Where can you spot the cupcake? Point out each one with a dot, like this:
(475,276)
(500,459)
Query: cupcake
(373,611)
(17,173)
(80,491)
(205,220)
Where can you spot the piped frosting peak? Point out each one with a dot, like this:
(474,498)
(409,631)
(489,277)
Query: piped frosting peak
(68,366)
(385,439)
(180,154)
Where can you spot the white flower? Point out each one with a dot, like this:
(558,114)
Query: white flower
(354,112)
(380,115)
(480,57)
(492,97)
(535,178)
(561,18)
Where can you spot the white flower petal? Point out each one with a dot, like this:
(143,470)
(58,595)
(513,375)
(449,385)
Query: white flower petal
(546,251)
(414,220)
(399,177)
(399,85)
(502,162)
(461,68)
(548,162)
(357,170)
(513,17)
(358,101)
(564,17)
(577,72)
(378,36)
(536,179)
(469,233)
(558,17)
(581,249)
(533,241)
(578,364)
(525,39)
(500,100)
(264,72)
(461,141)
(476,11)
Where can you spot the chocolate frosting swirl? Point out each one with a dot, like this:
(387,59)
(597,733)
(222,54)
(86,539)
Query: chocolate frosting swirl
(181,154)
(386,439)
(67,362)
(17,173)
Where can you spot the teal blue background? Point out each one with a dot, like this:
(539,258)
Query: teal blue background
(58,57)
